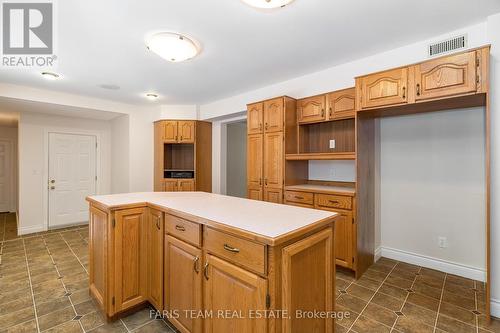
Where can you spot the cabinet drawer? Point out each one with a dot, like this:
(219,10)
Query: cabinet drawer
(183,229)
(239,251)
(299,197)
(298,204)
(333,201)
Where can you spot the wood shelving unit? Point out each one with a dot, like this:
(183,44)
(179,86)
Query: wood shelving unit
(321,156)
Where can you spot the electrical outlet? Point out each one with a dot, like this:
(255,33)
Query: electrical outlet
(442,242)
(332,144)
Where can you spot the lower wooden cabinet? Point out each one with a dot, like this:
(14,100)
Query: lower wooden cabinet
(273,195)
(130,258)
(155,257)
(228,287)
(344,242)
(183,284)
(255,194)
(179,185)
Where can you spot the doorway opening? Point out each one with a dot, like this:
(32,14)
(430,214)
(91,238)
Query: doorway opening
(236,159)
(72,176)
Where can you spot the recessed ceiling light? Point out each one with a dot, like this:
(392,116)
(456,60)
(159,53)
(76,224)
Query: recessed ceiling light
(50,75)
(267,4)
(151,96)
(109,86)
(172,46)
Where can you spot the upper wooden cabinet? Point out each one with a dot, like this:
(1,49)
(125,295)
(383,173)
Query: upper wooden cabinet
(186,130)
(311,109)
(255,118)
(170,131)
(341,104)
(448,76)
(273,115)
(385,88)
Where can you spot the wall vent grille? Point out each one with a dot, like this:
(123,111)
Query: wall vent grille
(447,46)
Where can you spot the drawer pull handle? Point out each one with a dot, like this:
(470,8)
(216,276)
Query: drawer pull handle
(205,270)
(196,268)
(300,198)
(333,201)
(231,249)
(180,228)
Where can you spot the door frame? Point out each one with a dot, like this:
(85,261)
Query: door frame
(219,150)
(45,172)
(12,174)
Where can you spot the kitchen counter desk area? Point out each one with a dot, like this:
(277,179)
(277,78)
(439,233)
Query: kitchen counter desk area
(213,263)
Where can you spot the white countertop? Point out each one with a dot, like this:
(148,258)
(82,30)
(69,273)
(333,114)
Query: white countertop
(259,217)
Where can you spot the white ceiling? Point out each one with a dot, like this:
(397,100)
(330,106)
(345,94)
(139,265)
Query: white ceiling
(102,42)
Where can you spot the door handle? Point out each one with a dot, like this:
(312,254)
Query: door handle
(158,224)
(331,112)
(418,89)
(404,92)
(265,181)
(180,228)
(196,268)
(205,271)
(52,181)
(52,187)
(231,249)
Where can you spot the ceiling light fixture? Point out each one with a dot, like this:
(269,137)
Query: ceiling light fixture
(151,96)
(267,4)
(50,75)
(172,46)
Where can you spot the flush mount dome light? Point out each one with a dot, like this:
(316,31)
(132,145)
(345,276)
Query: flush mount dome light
(50,75)
(267,4)
(151,96)
(172,46)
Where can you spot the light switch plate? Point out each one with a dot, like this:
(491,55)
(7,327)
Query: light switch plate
(332,144)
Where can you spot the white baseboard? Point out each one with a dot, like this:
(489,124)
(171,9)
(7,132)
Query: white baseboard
(30,230)
(378,253)
(495,308)
(434,263)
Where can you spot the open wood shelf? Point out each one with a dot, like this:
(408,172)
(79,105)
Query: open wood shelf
(321,156)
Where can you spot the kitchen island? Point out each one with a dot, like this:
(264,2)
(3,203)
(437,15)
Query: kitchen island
(213,263)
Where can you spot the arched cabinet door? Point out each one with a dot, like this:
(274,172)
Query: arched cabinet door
(273,115)
(446,77)
(341,104)
(312,109)
(385,88)
(255,118)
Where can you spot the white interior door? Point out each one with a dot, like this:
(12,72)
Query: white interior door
(72,177)
(5,175)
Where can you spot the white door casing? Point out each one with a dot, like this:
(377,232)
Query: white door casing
(5,175)
(72,177)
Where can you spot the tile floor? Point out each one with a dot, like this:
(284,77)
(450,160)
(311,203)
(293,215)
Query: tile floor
(44,288)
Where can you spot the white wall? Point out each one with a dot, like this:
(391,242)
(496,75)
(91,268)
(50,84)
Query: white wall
(236,157)
(342,76)
(10,133)
(33,152)
(432,170)
(332,170)
(120,152)
(179,112)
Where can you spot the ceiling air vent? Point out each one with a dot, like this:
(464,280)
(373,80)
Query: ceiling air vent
(448,46)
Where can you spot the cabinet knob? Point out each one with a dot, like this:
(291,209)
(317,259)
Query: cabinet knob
(205,271)
(196,268)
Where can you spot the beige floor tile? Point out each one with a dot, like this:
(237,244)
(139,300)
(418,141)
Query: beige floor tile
(56,318)
(365,324)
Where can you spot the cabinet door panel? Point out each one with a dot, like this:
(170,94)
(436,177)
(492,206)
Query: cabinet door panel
(183,283)
(254,194)
(341,104)
(310,259)
(447,76)
(186,131)
(273,160)
(227,287)
(273,115)
(255,116)
(98,256)
(170,131)
(170,185)
(254,161)
(312,109)
(386,88)
(130,258)
(186,185)
(273,195)
(155,257)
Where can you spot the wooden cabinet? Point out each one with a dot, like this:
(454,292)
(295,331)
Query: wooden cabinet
(341,104)
(384,88)
(447,76)
(255,146)
(297,258)
(183,284)
(273,195)
(311,109)
(255,118)
(228,287)
(98,256)
(255,194)
(273,115)
(186,131)
(170,185)
(179,185)
(130,255)
(186,185)
(155,236)
(170,131)
(273,160)
(343,239)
